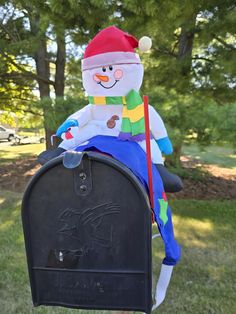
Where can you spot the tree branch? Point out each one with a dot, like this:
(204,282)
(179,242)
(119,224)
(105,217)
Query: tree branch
(166,52)
(224,43)
(18,98)
(26,72)
(202,58)
(17,108)
(8,32)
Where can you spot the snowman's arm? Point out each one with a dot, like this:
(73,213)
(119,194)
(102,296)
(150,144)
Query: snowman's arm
(157,125)
(82,116)
(159,132)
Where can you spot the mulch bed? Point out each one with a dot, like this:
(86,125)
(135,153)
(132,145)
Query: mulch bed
(219,184)
(208,189)
(15,176)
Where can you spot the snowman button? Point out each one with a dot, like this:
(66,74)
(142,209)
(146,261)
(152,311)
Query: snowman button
(111,123)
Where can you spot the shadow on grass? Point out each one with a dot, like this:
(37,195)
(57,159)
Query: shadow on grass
(4,160)
(202,281)
(12,153)
(224,157)
(195,174)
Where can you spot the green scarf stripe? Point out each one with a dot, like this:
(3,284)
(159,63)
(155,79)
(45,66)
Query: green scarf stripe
(138,127)
(91,100)
(114,100)
(133,100)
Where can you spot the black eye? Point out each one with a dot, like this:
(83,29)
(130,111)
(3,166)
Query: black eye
(103,69)
(110,67)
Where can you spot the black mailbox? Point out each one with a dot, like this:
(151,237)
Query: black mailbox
(87,229)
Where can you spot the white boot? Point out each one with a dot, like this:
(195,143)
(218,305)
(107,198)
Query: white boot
(162,284)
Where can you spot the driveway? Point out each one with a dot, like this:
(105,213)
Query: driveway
(5,143)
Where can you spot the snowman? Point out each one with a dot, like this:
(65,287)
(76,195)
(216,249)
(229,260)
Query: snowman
(112,75)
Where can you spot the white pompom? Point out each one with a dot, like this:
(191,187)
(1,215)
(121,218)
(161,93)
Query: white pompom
(145,43)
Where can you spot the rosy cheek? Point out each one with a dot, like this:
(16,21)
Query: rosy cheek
(118,74)
(95,78)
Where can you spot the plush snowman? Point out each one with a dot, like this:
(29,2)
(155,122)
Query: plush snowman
(112,75)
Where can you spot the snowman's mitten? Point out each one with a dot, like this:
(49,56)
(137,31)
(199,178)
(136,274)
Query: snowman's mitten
(49,154)
(65,126)
(165,145)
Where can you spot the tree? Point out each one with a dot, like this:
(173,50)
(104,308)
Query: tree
(191,66)
(28,29)
(192,63)
(16,91)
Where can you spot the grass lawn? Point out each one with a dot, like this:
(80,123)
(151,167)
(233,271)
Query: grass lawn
(222,156)
(11,153)
(203,282)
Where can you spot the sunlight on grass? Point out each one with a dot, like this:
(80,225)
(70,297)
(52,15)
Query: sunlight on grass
(10,153)
(222,156)
(193,232)
(2,200)
(6,225)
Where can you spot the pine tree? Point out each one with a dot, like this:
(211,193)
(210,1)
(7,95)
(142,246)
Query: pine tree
(192,64)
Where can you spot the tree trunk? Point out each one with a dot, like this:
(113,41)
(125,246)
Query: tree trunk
(60,65)
(174,159)
(42,66)
(185,48)
(43,71)
(60,72)
(184,60)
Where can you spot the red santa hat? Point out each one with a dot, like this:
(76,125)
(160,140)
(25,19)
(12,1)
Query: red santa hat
(113,46)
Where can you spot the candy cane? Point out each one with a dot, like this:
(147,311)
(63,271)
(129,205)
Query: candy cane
(148,150)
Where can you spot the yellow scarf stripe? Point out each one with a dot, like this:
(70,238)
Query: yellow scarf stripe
(124,100)
(100,100)
(135,114)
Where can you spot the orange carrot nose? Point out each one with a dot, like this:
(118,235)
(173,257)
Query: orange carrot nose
(103,78)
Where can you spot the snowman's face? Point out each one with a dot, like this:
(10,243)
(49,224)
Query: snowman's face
(113,80)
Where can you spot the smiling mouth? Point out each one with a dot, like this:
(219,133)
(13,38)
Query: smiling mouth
(108,87)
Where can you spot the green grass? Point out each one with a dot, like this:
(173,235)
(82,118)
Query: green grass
(222,156)
(203,281)
(11,153)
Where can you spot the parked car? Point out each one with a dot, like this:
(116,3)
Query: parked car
(29,139)
(6,134)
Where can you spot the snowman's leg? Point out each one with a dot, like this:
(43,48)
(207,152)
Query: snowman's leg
(162,284)
(47,155)
(172,183)
(155,151)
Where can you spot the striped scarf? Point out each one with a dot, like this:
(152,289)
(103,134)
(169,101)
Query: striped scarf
(133,125)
